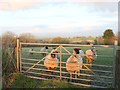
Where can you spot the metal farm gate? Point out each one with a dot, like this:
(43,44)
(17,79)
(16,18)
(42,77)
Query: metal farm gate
(98,76)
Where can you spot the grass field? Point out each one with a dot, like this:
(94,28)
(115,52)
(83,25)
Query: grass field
(104,54)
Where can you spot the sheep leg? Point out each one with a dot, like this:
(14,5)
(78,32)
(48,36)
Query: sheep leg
(54,70)
(91,62)
(87,61)
(76,74)
(70,75)
(49,72)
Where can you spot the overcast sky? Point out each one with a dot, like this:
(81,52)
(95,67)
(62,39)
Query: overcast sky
(48,18)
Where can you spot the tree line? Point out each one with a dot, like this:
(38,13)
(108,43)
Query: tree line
(9,38)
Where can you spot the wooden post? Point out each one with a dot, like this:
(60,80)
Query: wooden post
(20,50)
(17,54)
(116,42)
(60,62)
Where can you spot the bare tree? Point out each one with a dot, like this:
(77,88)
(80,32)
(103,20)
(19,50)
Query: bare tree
(60,40)
(27,38)
(8,39)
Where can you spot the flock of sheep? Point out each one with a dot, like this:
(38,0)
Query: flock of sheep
(74,63)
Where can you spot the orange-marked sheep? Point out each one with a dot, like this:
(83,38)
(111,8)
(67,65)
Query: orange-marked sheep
(74,63)
(91,56)
(51,62)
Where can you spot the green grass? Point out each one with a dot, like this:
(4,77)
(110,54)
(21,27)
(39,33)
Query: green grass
(100,59)
(25,82)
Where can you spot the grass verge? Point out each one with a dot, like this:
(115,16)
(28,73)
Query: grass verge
(22,81)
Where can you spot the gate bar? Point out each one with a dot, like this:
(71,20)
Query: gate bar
(42,44)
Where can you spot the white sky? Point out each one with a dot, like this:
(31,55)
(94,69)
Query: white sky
(47,18)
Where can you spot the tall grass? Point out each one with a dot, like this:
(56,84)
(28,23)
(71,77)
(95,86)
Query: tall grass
(8,64)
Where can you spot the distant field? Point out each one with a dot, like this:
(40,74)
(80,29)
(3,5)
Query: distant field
(75,40)
(81,39)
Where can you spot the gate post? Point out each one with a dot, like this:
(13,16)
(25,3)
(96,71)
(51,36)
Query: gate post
(20,51)
(114,65)
(17,54)
(117,71)
(60,62)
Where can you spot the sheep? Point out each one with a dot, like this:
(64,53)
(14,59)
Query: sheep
(74,63)
(91,55)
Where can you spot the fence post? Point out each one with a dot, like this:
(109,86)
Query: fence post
(17,54)
(20,50)
(60,62)
(114,64)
